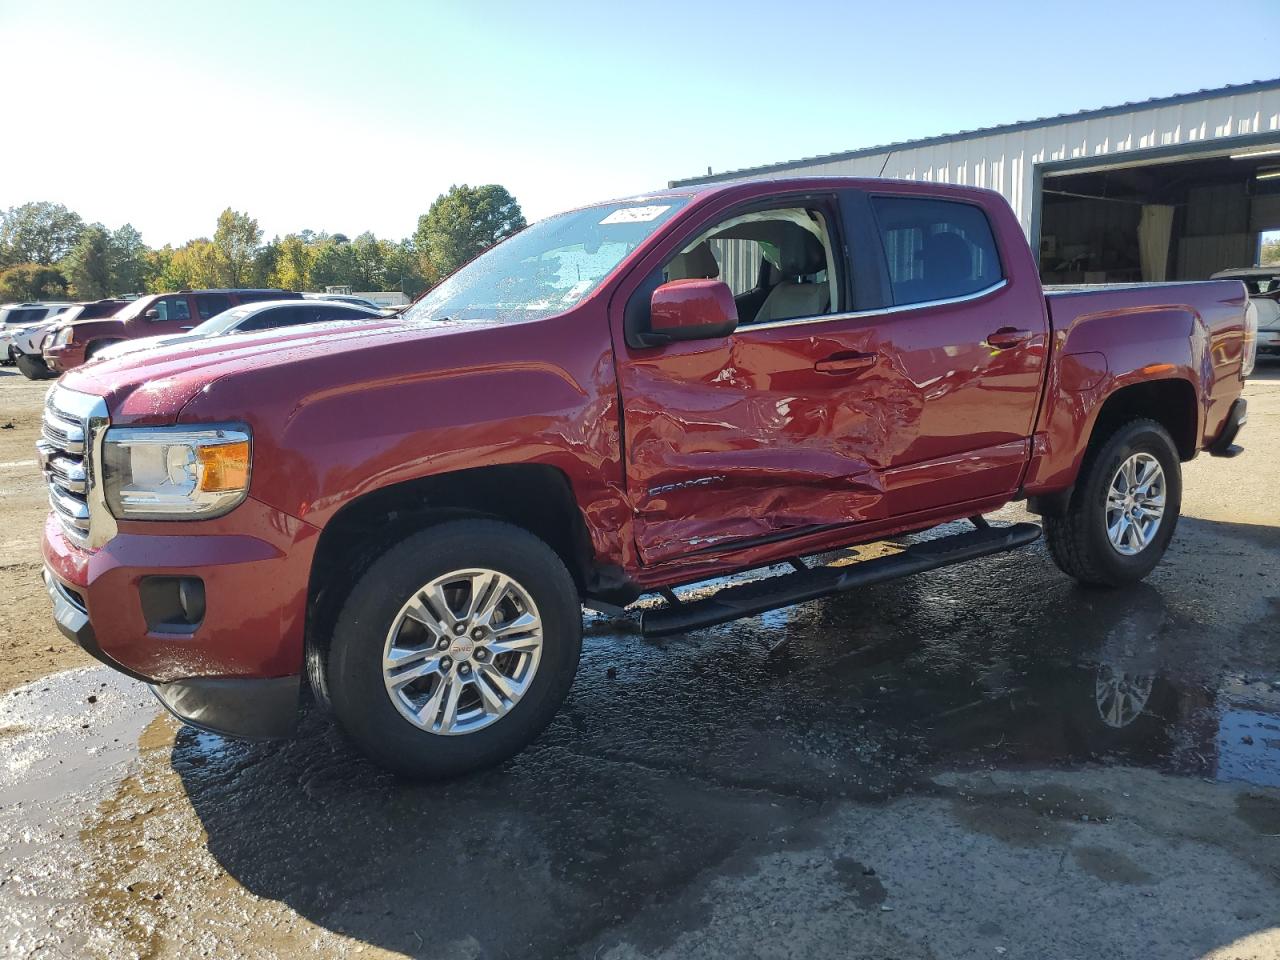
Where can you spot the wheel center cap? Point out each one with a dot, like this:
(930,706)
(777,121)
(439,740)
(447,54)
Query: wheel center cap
(462,648)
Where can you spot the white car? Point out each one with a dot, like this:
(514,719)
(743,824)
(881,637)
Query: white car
(249,317)
(24,323)
(1263,284)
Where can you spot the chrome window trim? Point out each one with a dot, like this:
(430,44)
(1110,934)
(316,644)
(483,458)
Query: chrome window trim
(879,311)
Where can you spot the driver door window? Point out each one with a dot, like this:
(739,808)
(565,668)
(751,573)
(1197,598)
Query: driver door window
(172,310)
(778,264)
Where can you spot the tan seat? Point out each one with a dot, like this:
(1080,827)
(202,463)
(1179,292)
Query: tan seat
(802,256)
(696,264)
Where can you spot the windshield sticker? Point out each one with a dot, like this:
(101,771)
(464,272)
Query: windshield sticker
(635,215)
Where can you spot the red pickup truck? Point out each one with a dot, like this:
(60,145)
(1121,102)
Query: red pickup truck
(405,519)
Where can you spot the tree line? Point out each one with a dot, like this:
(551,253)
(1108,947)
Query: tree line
(48,252)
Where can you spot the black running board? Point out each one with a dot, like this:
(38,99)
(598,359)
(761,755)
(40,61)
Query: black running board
(760,596)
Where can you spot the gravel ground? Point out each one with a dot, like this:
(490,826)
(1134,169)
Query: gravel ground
(931,768)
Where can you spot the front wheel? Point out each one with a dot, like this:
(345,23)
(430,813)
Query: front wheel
(1124,508)
(455,649)
(34,368)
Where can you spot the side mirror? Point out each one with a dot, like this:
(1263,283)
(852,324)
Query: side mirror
(152,314)
(691,310)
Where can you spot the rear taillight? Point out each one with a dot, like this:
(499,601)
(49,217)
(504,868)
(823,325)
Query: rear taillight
(1250,354)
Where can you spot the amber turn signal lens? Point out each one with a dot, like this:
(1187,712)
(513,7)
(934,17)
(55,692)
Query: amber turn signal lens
(224,467)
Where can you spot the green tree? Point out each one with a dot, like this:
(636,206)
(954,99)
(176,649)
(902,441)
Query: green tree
(402,269)
(236,242)
(128,261)
(32,281)
(369,255)
(333,264)
(40,232)
(87,266)
(1270,253)
(464,222)
(293,265)
(264,263)
(197,263)
(157,264)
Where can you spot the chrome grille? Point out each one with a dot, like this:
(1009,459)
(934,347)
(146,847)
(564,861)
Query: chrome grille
(65,457)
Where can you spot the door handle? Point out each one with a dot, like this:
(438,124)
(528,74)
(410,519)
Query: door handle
(1007,337)
(186,328)
(847,363)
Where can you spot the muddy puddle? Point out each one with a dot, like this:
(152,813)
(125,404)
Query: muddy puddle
(124,835)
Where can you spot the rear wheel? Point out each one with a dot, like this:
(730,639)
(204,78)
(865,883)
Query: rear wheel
(455,649)
(1124,508)
(34,368)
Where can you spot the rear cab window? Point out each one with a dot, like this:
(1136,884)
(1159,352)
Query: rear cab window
(935,249)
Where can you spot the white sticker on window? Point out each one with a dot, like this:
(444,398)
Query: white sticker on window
(635,215)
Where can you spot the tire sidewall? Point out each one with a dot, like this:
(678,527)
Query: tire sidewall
(33,369)
(1139,437)
(354,669)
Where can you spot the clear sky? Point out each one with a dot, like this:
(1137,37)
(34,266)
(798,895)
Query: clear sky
(354,116)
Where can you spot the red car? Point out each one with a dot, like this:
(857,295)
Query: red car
(407,517)
(157,314)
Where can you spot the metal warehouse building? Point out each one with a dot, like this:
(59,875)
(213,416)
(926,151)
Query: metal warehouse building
(1174,188)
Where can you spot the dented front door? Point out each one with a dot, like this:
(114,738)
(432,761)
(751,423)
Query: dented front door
(750,437)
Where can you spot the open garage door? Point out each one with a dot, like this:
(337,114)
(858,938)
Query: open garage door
(1178,218)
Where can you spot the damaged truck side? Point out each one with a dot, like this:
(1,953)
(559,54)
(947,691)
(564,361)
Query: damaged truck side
(407,517)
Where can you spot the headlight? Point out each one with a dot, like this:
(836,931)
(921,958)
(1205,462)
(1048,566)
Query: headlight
(63,336)
(175,473)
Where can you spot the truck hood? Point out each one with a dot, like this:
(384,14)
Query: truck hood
(152,386)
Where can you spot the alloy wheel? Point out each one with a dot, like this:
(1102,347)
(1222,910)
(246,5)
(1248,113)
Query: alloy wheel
(1135,504)
(462,651)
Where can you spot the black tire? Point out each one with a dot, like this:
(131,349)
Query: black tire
(34,368)
(353,662)
(1078,538)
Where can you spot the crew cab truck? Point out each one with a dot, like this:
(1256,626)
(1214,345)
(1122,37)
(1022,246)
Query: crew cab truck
(615,401)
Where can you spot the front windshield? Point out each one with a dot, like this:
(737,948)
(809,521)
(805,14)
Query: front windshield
(548,267)
(222,322)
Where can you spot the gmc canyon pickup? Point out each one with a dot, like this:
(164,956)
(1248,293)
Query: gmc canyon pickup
(406,517)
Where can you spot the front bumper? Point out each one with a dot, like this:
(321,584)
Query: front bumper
(64,357)
(247,708)
(236,671)
(1269,342)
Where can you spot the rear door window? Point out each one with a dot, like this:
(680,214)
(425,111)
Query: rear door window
(935,249)
(212,304)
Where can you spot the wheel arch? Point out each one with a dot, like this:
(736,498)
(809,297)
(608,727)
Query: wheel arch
(1170,401)
(535,497)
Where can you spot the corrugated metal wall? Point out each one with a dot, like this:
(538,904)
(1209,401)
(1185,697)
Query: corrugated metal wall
(1005,161)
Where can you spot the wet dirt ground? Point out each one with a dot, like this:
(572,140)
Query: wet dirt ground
(987,761)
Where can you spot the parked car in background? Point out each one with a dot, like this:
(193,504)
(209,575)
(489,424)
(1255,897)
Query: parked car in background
(28,345)
(408,515)
(344,298)
(1263,284)
(17,317)
(149,316)
(249,318)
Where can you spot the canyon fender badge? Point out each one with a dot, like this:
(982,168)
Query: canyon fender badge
(686,484)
